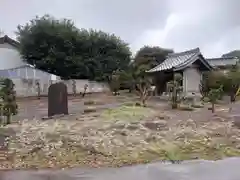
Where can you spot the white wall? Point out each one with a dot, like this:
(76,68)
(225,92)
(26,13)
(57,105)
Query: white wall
(28,88)
(9,57)
(191,80)
(93,86)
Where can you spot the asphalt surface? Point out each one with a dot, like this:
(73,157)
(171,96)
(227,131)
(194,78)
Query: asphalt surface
(227,169)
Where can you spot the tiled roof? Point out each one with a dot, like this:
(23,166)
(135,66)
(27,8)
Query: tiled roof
(6,39)
(178,61)
(223,61)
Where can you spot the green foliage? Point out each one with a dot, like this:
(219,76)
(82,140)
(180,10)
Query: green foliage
(212,80)
(142,80)
(174,89)
(214,95)
(115,82)
(8,96)
(146,58)
(59,47)
(153,56)
(232,82)
(89,102)
(229,82)
(126,79)
(89,110)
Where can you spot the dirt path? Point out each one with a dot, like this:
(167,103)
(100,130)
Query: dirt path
(227,169)
(37,108)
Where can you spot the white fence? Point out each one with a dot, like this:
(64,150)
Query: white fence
(29,88)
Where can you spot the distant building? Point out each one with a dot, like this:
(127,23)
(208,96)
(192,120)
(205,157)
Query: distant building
(191,64)
(24,76)
(223,63)
(10,59)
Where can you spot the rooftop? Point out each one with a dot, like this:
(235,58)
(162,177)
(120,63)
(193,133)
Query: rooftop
(6,39)
(223,61)
(178,61)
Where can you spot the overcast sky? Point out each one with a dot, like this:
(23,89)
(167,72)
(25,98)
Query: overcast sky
(212,25)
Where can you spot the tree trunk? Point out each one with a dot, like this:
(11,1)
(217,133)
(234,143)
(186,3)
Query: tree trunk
(230,107)
(233,98)
(213,108)
(38,94)
(144,102)
(8,119)
(174,106)
(174,99)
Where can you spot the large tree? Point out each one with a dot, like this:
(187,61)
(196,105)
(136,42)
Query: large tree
(59,47)
(148,57)
(153,55)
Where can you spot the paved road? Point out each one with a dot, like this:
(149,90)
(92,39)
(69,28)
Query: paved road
(227,169)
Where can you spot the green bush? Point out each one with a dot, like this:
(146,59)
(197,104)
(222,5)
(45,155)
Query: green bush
(137,104)
(90,102)
(213,80)
(229,82)
(9,106)
(89,110)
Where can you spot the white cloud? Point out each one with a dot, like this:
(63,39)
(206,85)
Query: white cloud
(156,37)
(212,25)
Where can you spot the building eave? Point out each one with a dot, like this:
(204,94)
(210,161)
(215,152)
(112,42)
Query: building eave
(6,39)
(190,57)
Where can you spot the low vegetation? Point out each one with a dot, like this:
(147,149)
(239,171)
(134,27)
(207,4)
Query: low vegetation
(127,113)
(89,102)
(89,110)
(174,90)
(217,84)
(8,105)
(123,138)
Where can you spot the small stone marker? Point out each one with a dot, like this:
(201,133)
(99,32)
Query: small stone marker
(57,99)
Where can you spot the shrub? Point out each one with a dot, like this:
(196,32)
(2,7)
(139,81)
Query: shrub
(212,80)
(214,95)
(89,110)
(229,82)
(90,102)
(137,104)
(174,88)
(8,96)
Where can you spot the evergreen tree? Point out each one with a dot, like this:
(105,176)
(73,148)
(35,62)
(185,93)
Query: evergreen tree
(8,95)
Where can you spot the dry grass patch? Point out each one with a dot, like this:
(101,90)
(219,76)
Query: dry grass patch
(92,102)
(197,106)
(89,102)
(89,110)
(121,140)
(185,108)
(127,113)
